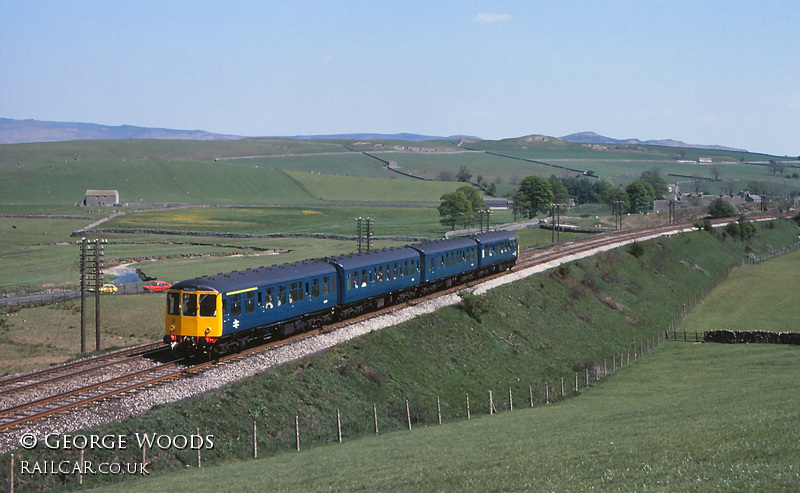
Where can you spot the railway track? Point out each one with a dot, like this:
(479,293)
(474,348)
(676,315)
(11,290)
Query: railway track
(70,379)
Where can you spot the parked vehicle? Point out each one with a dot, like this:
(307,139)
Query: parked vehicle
(107,288)
(157,286)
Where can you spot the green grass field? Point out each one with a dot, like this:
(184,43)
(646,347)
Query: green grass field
(756,297)
(668,423)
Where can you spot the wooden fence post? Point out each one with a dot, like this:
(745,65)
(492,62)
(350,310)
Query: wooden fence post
(530,393)
(11,476)
(375,415)
(467,405)
(439,409)
(546,393)
(491,404)
(255,441)
(510,400)
(80,469)
(339,425)
(408,415)
(297,432)
(197,430)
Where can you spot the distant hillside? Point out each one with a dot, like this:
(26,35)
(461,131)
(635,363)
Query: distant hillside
(22,131)
(369,136)
(593,138)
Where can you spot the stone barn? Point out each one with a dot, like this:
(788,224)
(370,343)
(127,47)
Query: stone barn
(101,197)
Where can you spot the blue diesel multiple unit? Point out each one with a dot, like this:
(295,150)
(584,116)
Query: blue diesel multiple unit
(222,313)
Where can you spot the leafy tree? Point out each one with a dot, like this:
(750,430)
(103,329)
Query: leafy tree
(613,195)
(455,207)
(741,229)
(521,204)
(585,190)
(653,177)
(463,175)
(560,193)
(716,172)
(721,208)
(538,193)
(641,195)
(473,196)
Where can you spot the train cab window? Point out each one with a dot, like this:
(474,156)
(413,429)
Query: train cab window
(189,303)
(173,303)
(236,305)
(208,305)
(315,288)
(281,297)
(270,298)
(250,302)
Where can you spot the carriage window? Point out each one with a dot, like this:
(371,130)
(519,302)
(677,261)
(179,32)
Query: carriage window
(250,302)
(281,295)
(189,304)
(236,305)
(325,287)
(315,288)
(295,292)
(173,303)
(395,268)
(364,278)
(270,298)
(208,305)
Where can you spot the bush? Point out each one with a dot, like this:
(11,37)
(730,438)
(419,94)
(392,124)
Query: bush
(636,249)
(721,208)
(473,305)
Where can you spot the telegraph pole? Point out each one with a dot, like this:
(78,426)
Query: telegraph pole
(364,228)
(358,231)
(369,233)
(91,264)
(83,295)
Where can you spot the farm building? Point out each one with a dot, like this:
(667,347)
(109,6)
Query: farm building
(497,204)
(101,197)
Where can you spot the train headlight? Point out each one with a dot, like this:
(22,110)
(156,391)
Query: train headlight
(171,329)
(208,330)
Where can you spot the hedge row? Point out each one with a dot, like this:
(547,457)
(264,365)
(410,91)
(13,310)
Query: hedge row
(748,336)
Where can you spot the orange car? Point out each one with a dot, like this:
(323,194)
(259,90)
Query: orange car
(157,286)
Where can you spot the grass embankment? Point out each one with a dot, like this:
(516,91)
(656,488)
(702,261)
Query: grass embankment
(755,297)
(540,329)
(671,422)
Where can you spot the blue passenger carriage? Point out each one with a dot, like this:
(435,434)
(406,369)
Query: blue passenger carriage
(446,261)
(371,280)
(226,311)
(497,250)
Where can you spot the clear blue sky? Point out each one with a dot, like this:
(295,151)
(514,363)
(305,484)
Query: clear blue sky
(706,72)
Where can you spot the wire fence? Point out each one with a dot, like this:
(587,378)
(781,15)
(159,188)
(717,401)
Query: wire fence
(61,294)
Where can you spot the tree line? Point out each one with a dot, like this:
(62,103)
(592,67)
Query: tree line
(536,195)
